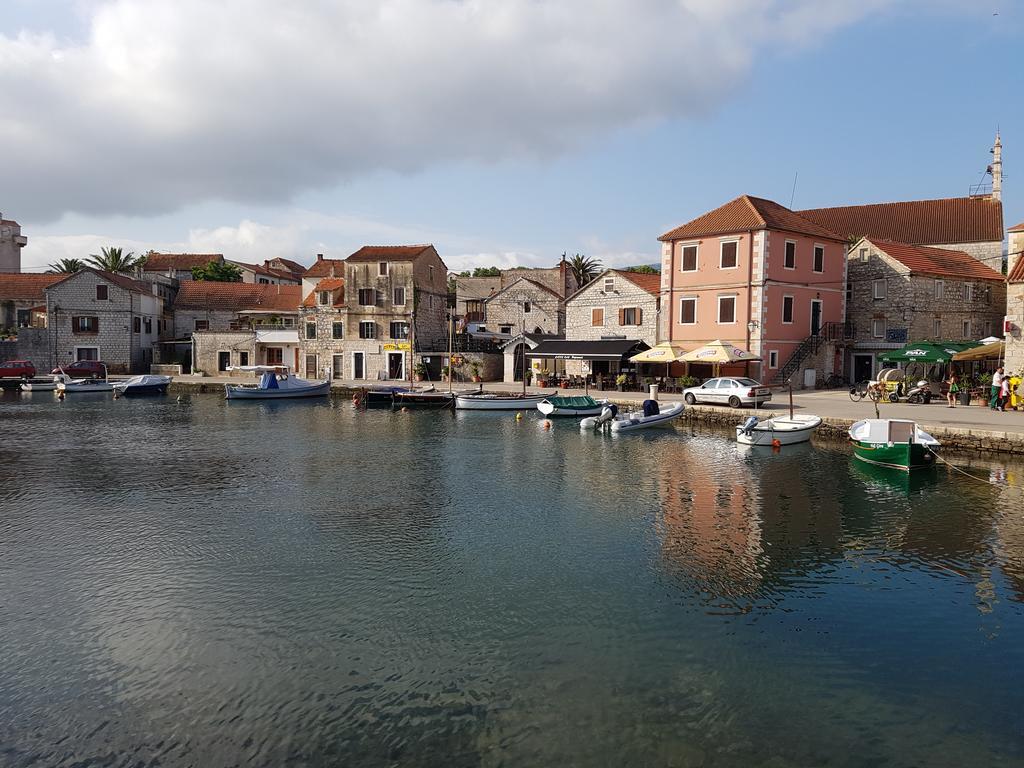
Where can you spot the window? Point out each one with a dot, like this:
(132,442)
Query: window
(400,330)
(849,292)
(149,325)
(398,297)
(773,358)
(367,330)
(431,273)
(597,317)
(940,289)
(310,330)
(968,292)
(526,307)
(101,293)
(819,258)
(787,309)
(275,356)
(243,358)
(136,325)
(937,328)
(325,298)
(430,301)
(382,269)
(789,261)
(967,329)
(289,322)
(879,288)
(688,310)
(864,255)
(727,309)
(264,281)
(728,257)
(629,316)
(609,284)
(367,297)
(688,258)
(337,330)
(202,325)
(504,329)
(85,324)
(878,328)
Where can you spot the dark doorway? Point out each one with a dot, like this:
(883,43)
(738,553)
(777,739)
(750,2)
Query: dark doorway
(861,368)
(519,361)
(223,361)
(815,317)
(357,366)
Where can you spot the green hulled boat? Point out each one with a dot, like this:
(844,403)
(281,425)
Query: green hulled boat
(581,405)
(894,443)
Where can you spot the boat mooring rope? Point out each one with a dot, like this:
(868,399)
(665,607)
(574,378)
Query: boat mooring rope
(984,480)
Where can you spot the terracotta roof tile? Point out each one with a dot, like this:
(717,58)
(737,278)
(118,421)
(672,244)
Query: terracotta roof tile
(943,262)
(1017,273)
(920,222)
(1017,228)
(237,297)
(745,214)
(121,280)
(292,266)
(261,269)
(327,284)
(26,287)
(650,283)
(388,252)
(326,268)
(161,262)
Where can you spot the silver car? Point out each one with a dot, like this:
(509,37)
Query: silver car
(734,392)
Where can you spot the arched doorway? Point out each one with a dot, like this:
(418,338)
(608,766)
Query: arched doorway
(519,361)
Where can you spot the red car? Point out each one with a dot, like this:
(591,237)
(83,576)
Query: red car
(17,369)
(84,369)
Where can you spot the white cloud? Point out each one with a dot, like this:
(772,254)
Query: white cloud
(165,103)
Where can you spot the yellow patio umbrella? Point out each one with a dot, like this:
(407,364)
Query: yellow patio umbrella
(718,353)
(985,352)
(660,353)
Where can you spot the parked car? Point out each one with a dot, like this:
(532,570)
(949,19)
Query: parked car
(17,369)
(735,392)
(84,369)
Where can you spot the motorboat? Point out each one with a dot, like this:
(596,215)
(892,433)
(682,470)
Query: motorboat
(780,430)
(72,386)
(493,401)
(652,415)
(41,384)
(148,384)
(386,397)
(583,405)
(894,443)
(276,383)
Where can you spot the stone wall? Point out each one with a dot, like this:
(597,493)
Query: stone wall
(1015,339)
(546,315)
(34,344)
(9,350)
(207,344)
(989,254)
(185,321)
(579,324)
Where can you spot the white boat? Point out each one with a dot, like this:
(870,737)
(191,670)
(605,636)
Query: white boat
(148,384)
(492,401)
(73,386)
(42,384)
(276,383)
(583,405)
(653,415)
(895,443)
(786,429)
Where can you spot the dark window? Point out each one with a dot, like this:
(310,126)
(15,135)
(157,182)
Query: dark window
(790,258)
(202,325)
(137,324)
(382,269)
(399,297)
(399,330)
(526,306)
(101,293)
(787,309)
(819,258)
(85,324)
(149,325)
(689,258)
(325,297)
(688,311)
(243,358)
(727,309)
(631,316)
(275,356)
(367,298)
(729,254)
(337,331)
(504,329)
(310,330)
(367,330)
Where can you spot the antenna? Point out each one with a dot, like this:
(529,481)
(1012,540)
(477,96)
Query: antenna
(792,195)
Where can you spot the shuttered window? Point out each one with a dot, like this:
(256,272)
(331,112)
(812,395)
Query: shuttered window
(597,317)
(630,316)
(367,330)
(367,298)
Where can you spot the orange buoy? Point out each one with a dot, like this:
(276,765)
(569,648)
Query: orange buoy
(776,444)
(547,424)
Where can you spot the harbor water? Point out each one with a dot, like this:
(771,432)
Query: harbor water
(204,583)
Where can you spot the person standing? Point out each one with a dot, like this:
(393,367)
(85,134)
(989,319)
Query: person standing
(997,382)
(953,389)
(1004,392)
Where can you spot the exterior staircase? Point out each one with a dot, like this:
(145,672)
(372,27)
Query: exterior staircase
(828,333)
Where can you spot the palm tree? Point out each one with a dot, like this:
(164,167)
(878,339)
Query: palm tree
(115,260)
(584,268)
(66,266)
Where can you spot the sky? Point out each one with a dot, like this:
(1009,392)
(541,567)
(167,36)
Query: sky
(505,132)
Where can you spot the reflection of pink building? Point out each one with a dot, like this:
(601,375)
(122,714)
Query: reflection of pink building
(756,274)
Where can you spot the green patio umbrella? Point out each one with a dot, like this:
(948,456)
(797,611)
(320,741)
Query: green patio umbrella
(926,352)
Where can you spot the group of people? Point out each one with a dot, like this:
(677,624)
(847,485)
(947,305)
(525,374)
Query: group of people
(1000,392)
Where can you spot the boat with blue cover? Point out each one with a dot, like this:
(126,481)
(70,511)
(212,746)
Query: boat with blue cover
(652,415)
(276,383)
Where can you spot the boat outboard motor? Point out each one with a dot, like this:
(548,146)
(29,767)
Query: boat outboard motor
(651,408)
(749,424)
(608,413)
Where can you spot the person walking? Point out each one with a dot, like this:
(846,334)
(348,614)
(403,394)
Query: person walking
(997,381)
(952,391)
(1004,392)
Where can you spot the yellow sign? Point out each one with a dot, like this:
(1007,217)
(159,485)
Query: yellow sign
(400,347)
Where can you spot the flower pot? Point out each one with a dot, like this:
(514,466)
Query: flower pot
(477,379)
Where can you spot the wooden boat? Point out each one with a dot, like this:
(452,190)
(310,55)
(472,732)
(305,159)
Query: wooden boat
(787,430)
(894,443)
(78,386)
(421,399)
(277,383)
(41,384)
(652,415)
(492,401)
(571,406)
(148,384)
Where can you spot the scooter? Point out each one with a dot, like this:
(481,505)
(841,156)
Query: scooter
(920,394)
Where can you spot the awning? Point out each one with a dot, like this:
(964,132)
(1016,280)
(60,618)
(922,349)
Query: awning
(606,349)
(927,352)
(277,337)
(985,352)
(718,352)
(659,353)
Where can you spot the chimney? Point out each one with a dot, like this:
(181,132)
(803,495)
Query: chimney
(319,257)
(997,169)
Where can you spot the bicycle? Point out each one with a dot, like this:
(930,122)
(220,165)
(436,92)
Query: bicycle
(860,390)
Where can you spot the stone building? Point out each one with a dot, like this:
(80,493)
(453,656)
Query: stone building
(471,293)
(615,305)
(362,318)
(264,274)
(525,305)
(23,296)
(96,315)
(11,243)
(898,294)
(1014,333)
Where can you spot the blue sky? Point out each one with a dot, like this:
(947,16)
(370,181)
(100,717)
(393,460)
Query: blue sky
(897,102)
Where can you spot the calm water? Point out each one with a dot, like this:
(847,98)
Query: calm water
(215,584)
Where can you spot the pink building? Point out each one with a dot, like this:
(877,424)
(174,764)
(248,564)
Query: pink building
(756,274)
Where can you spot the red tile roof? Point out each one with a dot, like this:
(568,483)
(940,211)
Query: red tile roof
(326,268)
(1017,273)
(936,261)
(237,297)
(388,252)
(260,269)
(746,214)
(650,283)
(292,266)
(26,287)
(1017,228)
(921,222)
(327,284)
(161,262)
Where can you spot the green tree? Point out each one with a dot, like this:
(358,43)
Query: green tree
(65,266)
(643,269)
(217,272)
(584,268)
(115,260)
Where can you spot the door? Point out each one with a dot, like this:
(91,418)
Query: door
(862,365)
(310,366)
(396,365)
(337,367)
(223,361)
(815,316)
(518,360)
(358,368)
(275,356)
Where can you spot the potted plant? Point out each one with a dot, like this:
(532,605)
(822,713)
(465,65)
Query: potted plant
(474,370)
(620,382)
(420,370)
(528,374)
(542,377)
